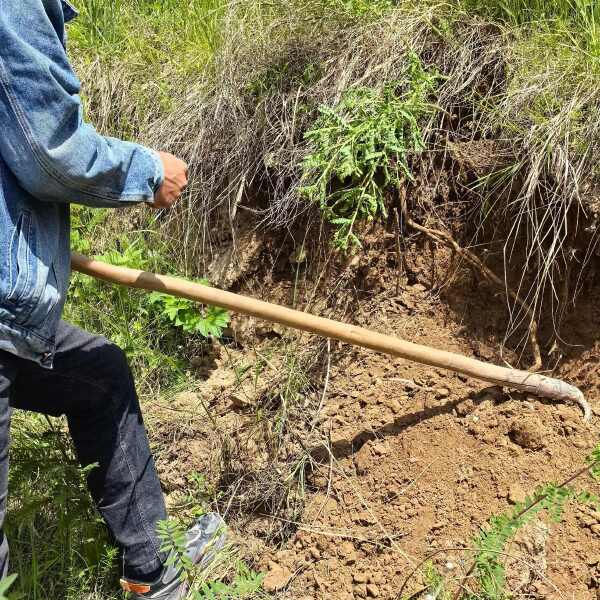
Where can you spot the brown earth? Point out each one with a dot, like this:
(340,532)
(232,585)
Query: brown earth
(409,460)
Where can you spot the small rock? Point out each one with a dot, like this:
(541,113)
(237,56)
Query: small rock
(442,393)
(315,553)
(516,494)
(381,449)
(276,579)
(372,590)
(579,443)
(588,521)
(360,590)
(595,529)
(365,518)
(418,287)
(359,577)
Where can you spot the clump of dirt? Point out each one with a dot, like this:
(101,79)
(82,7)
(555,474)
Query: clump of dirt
(399,461)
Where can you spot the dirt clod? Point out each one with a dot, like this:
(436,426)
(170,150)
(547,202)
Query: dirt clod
(277,578)
(528,433)
(348,553)
(516,493)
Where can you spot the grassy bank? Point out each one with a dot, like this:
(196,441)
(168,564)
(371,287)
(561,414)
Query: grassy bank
(316,116)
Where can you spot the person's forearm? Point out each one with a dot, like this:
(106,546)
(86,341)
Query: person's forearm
(44,141)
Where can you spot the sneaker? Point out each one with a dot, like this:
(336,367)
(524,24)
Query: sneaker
(204,540)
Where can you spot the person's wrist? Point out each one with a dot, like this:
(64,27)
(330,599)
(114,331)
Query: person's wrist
(159,171)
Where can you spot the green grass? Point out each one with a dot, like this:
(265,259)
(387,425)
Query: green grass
(180,33)
(59,547)
(578,20)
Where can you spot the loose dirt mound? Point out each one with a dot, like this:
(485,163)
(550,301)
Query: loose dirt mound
(418,458)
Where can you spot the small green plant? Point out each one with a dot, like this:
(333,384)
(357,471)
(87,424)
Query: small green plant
(361,147)
(5,585)
(245,583)
(488,567)
(59,544)
(208,322)
(487,571)
(172,535)
(241,582)
(434,581)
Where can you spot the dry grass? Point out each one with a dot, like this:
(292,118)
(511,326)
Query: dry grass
(241,123)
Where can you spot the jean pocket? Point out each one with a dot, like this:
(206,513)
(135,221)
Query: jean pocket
(22,259)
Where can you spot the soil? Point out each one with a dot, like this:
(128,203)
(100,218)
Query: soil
(418,458)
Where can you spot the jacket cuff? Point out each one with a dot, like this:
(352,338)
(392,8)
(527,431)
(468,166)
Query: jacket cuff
(159,172)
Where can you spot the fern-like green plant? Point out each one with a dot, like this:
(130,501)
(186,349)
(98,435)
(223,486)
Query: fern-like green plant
(485,579)
(172,535)
(245,584)
(488,567)
(242,583)
(361,147)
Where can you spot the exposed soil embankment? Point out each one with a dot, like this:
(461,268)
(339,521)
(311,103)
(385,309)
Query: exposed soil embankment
(342,488)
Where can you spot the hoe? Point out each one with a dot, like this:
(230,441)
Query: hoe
(532,383)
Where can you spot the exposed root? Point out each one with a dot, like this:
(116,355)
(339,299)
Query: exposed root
(446,239)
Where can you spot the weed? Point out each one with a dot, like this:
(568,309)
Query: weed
(59,545)
(487,571)
(183,313)
(5,585)
(239,582)
(361,148)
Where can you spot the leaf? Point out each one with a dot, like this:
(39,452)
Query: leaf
(5,585)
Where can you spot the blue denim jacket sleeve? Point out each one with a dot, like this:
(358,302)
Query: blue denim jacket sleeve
(52,152)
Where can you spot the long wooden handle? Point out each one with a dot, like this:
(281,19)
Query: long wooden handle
(533,383)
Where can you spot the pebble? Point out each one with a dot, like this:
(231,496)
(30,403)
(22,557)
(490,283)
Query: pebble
(372,590)
(595,529)
(442,392)
(359,577)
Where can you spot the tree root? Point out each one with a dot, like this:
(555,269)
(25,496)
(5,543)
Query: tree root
(447,240)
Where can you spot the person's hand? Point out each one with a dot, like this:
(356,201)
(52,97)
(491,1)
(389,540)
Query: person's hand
(176,180)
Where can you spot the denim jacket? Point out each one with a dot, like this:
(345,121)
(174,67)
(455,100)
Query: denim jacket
(49,157)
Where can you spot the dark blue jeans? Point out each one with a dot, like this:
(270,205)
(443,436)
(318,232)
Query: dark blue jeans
(92,385)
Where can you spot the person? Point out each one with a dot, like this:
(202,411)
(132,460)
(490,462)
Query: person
(50,157)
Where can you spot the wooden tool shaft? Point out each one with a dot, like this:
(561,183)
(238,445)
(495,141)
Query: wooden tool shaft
(358,336)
